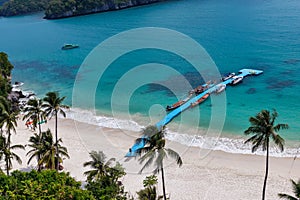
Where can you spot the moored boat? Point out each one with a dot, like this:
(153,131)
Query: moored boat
(228,76)
(178,104)
(220,88)
(201,88)
(200,100)
(69,46)
(236,80)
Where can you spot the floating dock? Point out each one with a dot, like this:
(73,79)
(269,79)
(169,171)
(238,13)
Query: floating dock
(171,115)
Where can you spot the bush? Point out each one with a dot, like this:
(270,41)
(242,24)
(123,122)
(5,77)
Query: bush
(47,184)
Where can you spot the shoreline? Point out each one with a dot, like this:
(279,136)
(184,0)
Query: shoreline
(228,142)
(203,171)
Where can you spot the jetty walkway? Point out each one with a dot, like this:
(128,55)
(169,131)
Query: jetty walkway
(171,115)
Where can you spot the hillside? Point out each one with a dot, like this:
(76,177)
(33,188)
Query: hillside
(55,9)
(21,7)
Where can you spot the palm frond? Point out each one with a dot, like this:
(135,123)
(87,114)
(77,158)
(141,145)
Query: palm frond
(173,154)
(279,141)
(281,126)
(149,162)
(296,188)
(286,196)
(62,113)
(253,129)
(251,139)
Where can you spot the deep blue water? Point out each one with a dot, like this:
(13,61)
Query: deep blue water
(237,34)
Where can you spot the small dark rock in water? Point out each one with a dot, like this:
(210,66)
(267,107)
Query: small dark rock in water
(291,61)
(251,91)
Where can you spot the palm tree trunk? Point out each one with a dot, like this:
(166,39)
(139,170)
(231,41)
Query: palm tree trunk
(39,123)
(39,155)
(163,182)
(8,149)
(267,171)
(7,164)
(57,155)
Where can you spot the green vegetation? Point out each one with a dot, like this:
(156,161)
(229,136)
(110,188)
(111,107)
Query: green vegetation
(47,184)
(155,151)
(73,7)
(99,167)
(102,179)
(20,7)
(263,128)
(149,192)
(34,111)
(5,65)
(8,124)
(53,106)
(64,8)
(5,73)
(45,150)
(296,190)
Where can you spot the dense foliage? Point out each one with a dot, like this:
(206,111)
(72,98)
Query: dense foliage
(55,9)
(4,87)
(74,7)
(19,7)
(47,184)
(5,72)
(2,2)
(149,192)
(103,179)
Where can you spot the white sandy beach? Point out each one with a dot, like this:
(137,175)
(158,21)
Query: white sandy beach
(217,176)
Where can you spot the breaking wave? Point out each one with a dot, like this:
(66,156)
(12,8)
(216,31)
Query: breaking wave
(226,144)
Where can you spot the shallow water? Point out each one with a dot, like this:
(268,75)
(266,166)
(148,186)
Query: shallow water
(253,34)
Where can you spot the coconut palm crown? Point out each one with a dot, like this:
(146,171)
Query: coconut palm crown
(99,166)
(263,128)
(53,106)
(155,151)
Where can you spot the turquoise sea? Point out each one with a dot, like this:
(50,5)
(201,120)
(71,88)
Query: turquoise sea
(237,34)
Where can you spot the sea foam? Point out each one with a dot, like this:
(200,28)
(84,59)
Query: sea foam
(225,144)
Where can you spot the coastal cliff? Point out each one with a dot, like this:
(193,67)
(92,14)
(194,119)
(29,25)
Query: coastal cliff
(21,7)
(58,9)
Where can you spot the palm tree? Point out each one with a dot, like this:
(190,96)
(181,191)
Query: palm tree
(53,106)
(6,151)
(99,166)
(154,149)
(296,190)
(149,191)
(8,121)
(263,127)
(8,118)
(47,149)
(34,110)
(36,151)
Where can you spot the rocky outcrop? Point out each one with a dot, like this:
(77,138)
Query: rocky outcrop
(108,5)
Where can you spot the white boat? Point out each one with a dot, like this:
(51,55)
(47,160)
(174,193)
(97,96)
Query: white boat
(220,88)
(236,80)
(228,76)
